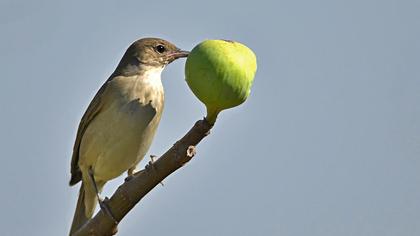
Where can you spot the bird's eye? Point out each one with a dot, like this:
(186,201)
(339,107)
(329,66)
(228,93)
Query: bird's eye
(160,48)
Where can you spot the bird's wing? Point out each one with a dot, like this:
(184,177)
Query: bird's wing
(91,112)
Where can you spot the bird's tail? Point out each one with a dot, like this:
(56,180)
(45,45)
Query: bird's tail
(86,204)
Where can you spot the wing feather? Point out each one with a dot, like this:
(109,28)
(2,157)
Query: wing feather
(90,114)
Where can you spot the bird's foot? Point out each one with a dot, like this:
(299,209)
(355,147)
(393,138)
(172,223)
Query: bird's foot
(128,178)
(105,208)
(151,162)
(130,174)
(150,166)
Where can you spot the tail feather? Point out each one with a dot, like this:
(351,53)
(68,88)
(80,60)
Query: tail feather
(90,200)
(86,204)
(80,217)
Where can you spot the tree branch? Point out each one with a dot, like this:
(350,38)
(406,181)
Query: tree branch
(132,191)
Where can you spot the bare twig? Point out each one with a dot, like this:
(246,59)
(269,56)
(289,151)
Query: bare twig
(132,191)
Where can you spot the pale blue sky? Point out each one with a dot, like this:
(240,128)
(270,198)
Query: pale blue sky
(328,143)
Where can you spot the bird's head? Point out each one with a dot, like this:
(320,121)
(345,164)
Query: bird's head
(149,52)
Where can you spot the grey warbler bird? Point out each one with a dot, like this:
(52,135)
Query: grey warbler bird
(119,124)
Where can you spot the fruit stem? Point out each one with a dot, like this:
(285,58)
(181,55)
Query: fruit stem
(212,115)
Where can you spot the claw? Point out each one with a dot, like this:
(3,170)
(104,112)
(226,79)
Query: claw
(151,162)
(130,174)
(150,165)
(128,178)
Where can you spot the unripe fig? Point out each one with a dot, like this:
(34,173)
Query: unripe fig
(220,74)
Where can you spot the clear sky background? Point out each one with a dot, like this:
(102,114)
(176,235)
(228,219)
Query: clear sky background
(327,144)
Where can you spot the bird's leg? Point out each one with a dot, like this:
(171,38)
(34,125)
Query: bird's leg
(92,179)
(130,174)
(131,170)
(151,166)
(102,203)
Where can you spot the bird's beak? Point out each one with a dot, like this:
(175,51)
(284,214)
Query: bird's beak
(179,54)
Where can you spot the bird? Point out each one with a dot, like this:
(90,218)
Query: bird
(120,122)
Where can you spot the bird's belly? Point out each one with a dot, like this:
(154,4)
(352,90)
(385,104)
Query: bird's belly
(119,137)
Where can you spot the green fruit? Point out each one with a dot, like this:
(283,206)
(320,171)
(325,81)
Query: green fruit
(220,73)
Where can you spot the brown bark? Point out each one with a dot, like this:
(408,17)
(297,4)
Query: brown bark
(132,191)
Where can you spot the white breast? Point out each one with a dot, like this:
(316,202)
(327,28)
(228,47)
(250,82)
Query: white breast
(153,76)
